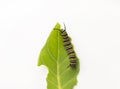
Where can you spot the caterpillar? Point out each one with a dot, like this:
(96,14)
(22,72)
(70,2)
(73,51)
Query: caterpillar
(68,47)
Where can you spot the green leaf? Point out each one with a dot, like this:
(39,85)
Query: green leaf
(54,56)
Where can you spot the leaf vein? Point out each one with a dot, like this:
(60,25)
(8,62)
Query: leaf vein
(64,71)
(52,73)
(63,61)
(52,57)
(58,76)
(52,82)
(67,83)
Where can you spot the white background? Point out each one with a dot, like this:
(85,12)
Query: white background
(94,26)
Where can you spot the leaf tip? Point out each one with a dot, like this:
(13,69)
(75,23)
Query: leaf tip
(57,26)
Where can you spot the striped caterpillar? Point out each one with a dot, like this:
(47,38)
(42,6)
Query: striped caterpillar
(68,47)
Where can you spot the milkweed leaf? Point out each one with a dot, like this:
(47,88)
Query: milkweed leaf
(54,56)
